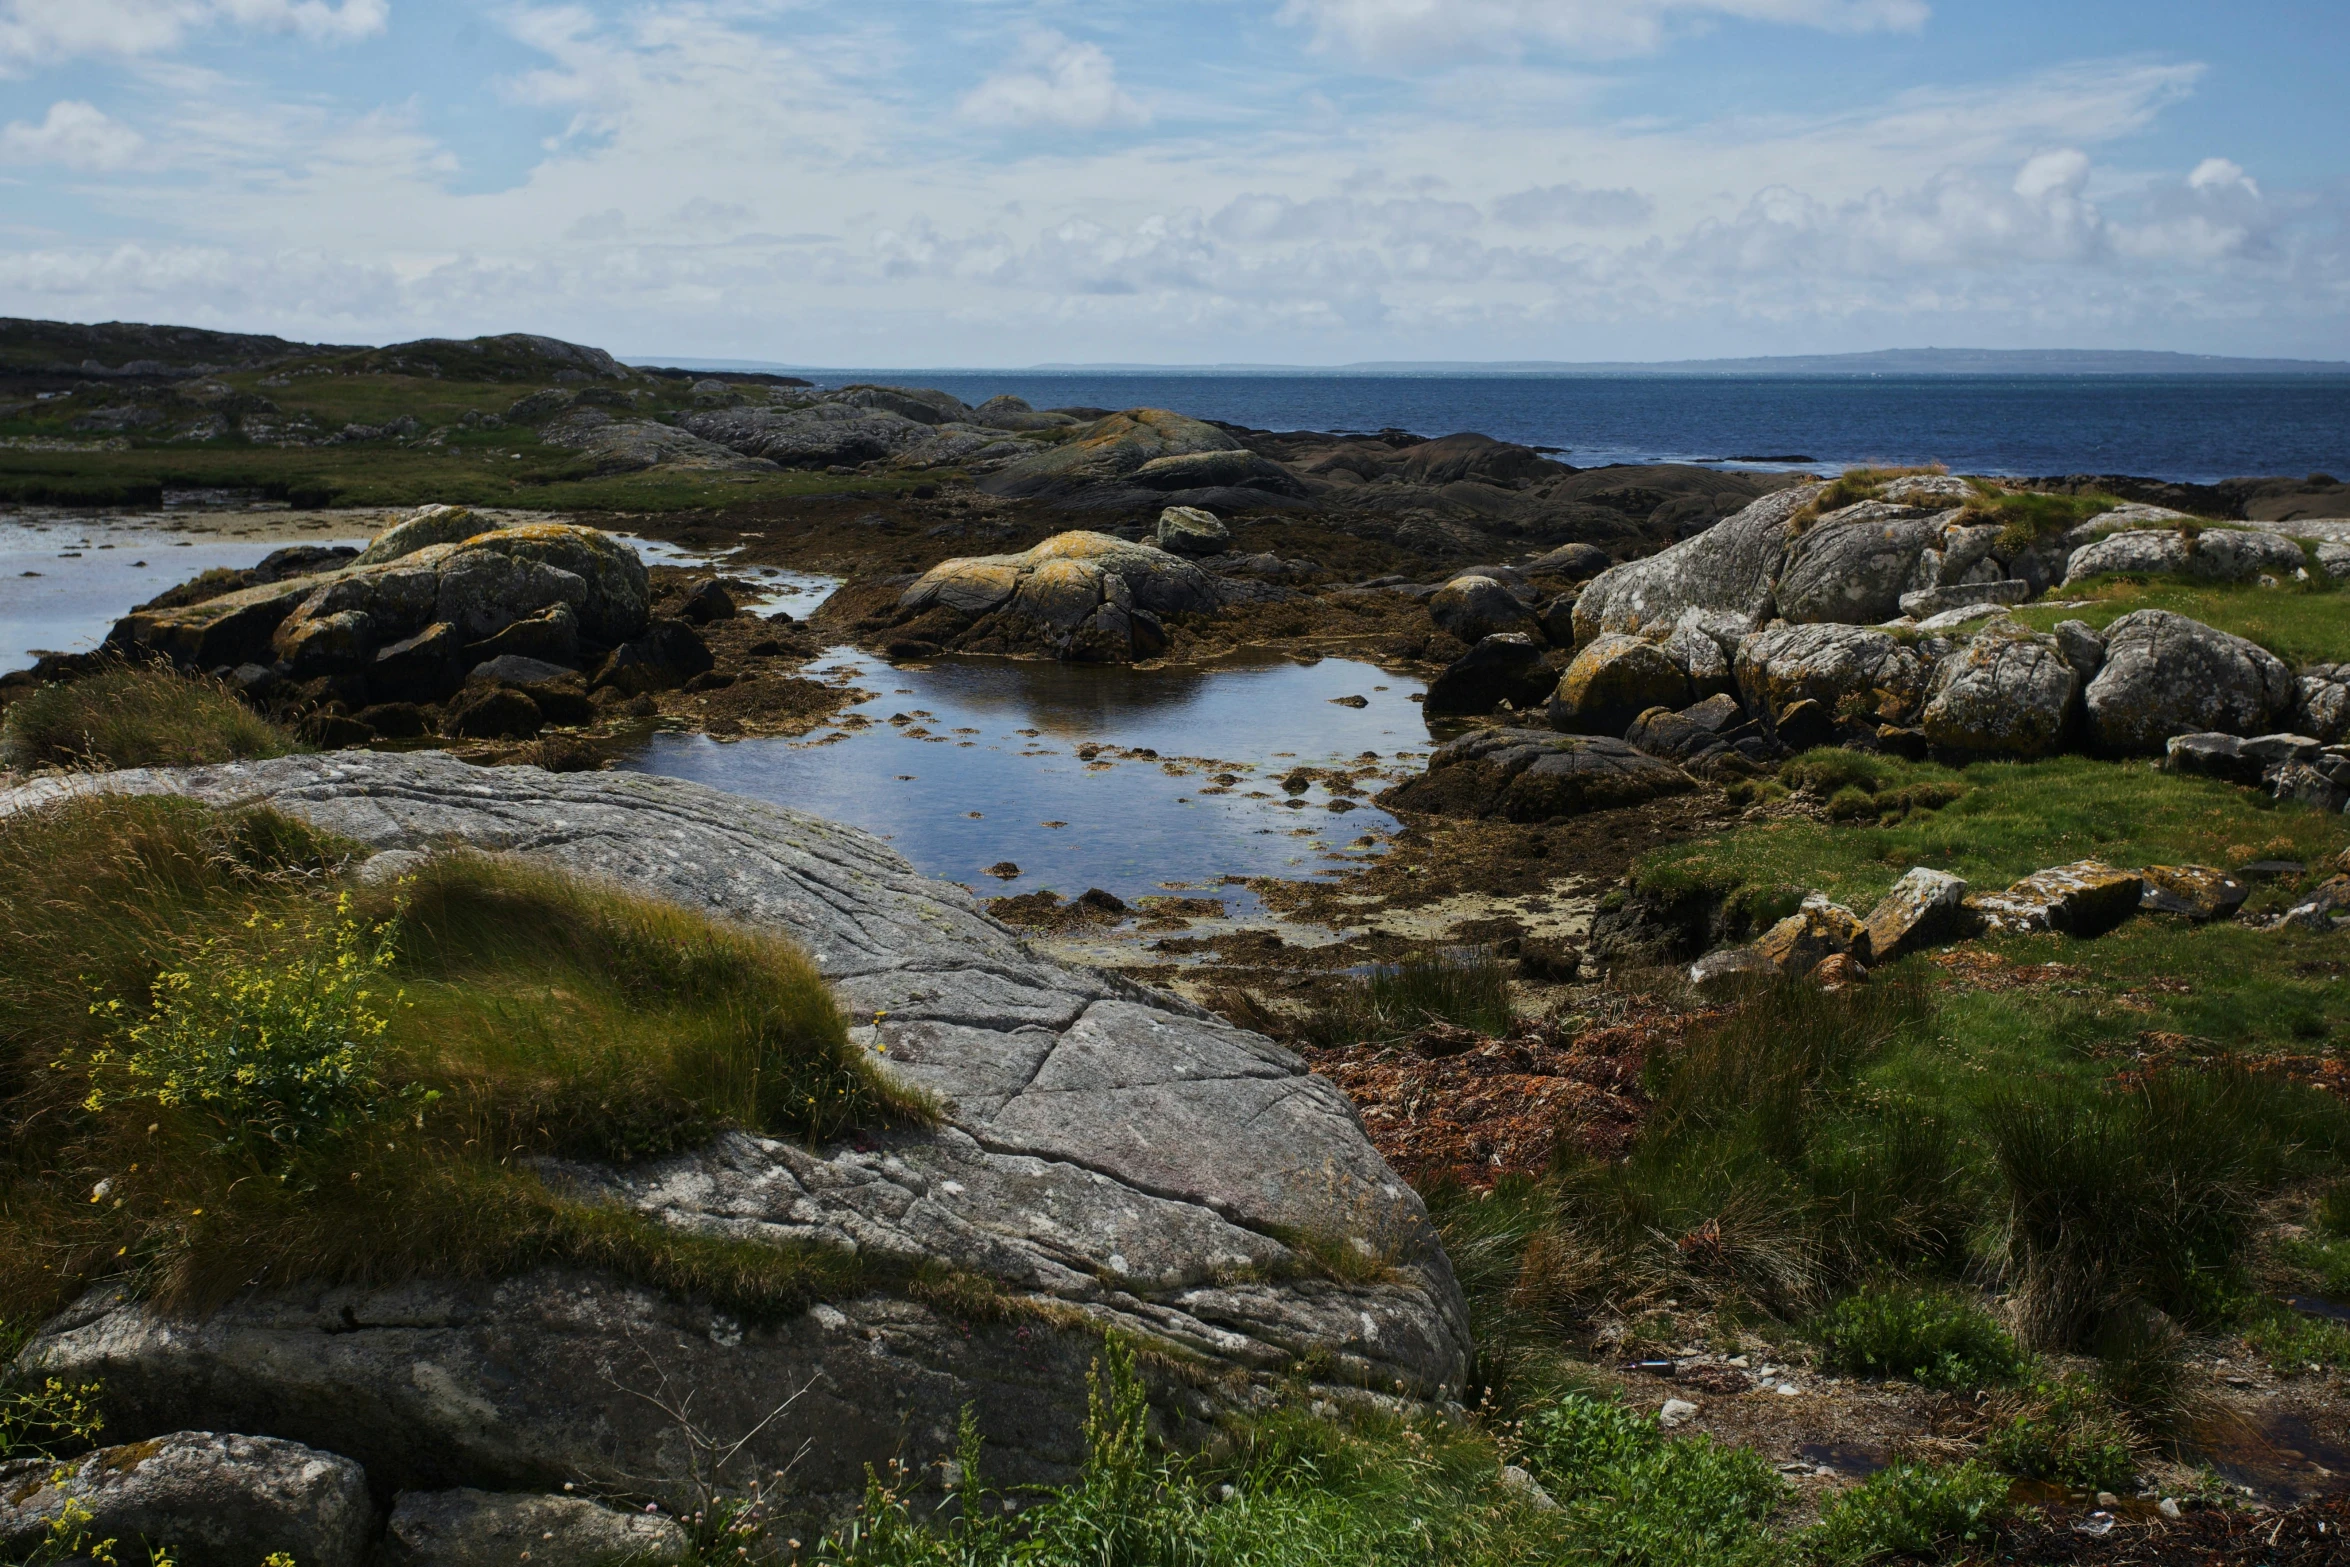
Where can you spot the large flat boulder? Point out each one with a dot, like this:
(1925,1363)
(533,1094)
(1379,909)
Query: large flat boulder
(1110,1159)
(1534,775)
(2165,674)
(2214,554)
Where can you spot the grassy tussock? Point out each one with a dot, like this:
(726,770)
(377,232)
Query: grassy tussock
(2300,622)
(136,715)
(523,1014)
(1470,989)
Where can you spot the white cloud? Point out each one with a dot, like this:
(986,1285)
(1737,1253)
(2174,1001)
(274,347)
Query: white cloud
(1573,206)
(1423,32)
(1056,82)
(35,32)
(76,134)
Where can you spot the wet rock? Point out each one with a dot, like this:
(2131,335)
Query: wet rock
(1187,530)
(2008,692)
(1084,597)
(216,1500)
(1731,567)
(468,1528)
(1612,681)
(1927,602)
(1503,668)
(1850,565)
(1534,775)
(1473,607)
(2196,892)
(552,635)
(1170,1148)
(1577,562)
(2085,898)
(493,713)
(1829,664)
(707,603)
(668,655)
(1731,969)
(423,528)
(1925,908)
(2166,675)
(1819,929)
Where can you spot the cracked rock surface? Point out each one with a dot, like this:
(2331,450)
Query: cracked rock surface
(1111,1158)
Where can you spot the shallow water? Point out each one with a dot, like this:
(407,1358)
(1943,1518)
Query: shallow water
(984,769)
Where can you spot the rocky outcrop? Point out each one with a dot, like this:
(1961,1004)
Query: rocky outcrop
(634,445)
(1817,931)
(1731,567)
(1086,597)
(2213,554)
(1829,664)
(1140,452)
(820,435)
(337,622)
(1534,775)
(1612,681)
(2166,675)
(1506,667)
(2007,691)
(2321,707)
(214,1500)
(1109,1159)
(468,1528)
(1853,565)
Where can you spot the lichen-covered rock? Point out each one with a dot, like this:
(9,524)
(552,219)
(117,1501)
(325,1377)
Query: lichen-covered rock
(1112,450)
(2083,647)
(2166,675)
(2321,707)
(1730,969)
(1081,596)
(1927,602)
(214,1499)
(1828,664)
(1852,565)
(1613,680)
(1473,606)
(1732,567)
(422,528)
(1533,775)
(2085,898)
(1690,735)
(2196,892)
(1924,908)
(1819,929)
(1187,530)
(2008,691)
(469,1528)
(1702,644)
(2216,554)
(634,445)
(1110,1159)
(1577,562)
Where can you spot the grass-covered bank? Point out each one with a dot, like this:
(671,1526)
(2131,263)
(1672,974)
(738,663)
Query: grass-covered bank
(222,1061)
(134,715)
(2305,622)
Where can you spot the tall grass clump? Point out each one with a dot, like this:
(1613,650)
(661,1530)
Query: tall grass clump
(222,1064)
(1468,988)
(1912,1510)
(2146,1194)
(136,715)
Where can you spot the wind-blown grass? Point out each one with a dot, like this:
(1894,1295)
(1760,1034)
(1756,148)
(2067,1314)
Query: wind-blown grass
(524,1014)
(1469,988)
(136,715)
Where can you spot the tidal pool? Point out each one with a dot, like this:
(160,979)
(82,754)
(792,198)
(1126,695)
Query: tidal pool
(965,764)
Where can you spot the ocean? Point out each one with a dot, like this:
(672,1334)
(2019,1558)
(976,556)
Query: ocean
(2187,427)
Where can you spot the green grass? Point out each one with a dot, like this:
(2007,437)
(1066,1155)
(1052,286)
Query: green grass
(2026,517)
(514,1013)
(136,715)
(1919,1510)
(1470,989)
(2063,1433)
(2300,622)
(1927,1336)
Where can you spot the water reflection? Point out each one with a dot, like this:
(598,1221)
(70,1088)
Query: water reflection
(982,768)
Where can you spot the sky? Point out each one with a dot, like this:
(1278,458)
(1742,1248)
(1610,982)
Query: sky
(1010,182)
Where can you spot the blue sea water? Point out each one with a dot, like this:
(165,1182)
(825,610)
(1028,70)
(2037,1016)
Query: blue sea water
(2196,428)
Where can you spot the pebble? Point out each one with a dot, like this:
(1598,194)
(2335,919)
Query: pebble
(2168,1507)
(1676,1412)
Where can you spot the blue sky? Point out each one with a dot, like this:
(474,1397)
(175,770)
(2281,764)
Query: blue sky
(1003,182)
